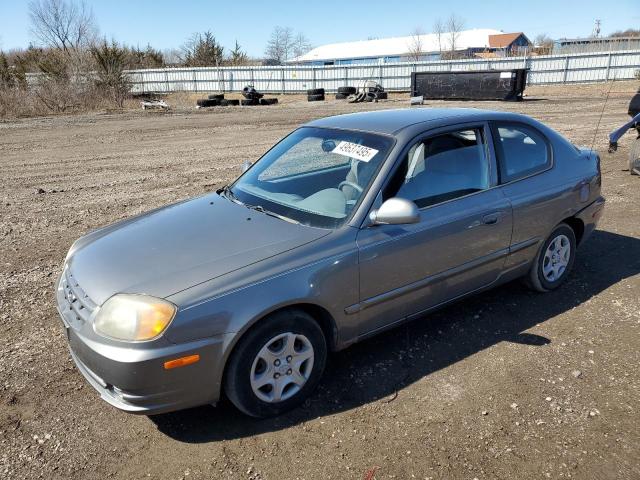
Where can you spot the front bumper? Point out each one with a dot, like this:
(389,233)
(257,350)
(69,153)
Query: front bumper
(133,378)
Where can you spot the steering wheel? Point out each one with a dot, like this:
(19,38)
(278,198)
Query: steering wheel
(355,186)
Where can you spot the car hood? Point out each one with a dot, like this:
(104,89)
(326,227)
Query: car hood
(176,247)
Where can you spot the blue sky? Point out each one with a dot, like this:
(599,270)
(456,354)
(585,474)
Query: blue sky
(167,24)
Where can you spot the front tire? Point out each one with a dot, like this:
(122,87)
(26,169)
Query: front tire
(554,260)
(276,365)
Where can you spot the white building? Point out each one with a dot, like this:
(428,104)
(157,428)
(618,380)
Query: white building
(397,49)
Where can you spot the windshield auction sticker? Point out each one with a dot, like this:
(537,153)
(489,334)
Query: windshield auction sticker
(353,150)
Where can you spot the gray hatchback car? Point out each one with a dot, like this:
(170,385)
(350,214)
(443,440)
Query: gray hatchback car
(348,226)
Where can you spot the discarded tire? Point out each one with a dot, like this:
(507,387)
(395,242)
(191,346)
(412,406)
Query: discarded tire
(268,101)
(315,98)
(216,96)
(207,102)
(315,91)
(233,102)
(381,95)
(352,99)
(341,96)
(347,91)
(249,101)
(249,92)
(370,97)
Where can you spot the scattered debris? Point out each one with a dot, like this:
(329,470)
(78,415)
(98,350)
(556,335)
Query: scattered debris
(161,104)
(419,100)
(254,97)
(576,373)
(370,91)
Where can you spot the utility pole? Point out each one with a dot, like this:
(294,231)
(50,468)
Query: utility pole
(596,29)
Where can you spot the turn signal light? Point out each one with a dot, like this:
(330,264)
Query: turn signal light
(181,362)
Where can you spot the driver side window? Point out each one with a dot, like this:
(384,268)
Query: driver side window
(441,168)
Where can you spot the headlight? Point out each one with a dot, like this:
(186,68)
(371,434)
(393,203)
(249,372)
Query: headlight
(134,317)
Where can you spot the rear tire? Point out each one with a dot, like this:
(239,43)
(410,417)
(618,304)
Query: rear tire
(315,91)
(554,260)
(315,98)
(276,365)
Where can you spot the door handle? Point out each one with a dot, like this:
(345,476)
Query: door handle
(491,218)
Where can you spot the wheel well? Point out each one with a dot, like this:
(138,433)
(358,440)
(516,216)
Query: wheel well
(577,226)
(320,315)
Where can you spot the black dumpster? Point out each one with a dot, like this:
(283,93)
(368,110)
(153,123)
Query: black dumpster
(470,85)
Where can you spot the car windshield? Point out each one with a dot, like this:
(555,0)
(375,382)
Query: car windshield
(315,176)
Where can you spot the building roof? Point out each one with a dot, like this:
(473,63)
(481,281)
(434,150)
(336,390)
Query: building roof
(503,40)
(397,46)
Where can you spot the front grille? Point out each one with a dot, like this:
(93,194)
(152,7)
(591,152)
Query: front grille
(78,302)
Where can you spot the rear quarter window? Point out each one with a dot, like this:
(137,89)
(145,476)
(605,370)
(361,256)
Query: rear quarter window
(522,151)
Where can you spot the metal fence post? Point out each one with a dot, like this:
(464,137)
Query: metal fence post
(608,66)
(313,77)
(346,77)
(283,89)
(566,69)
(195,81)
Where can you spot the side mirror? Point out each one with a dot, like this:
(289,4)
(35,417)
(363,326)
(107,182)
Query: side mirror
(246,165)
(396,211)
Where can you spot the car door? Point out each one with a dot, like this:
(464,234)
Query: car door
(458,246)
(539,198)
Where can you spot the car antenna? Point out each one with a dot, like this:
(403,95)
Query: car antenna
(604,105)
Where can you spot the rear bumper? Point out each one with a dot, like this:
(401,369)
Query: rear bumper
(590,217)
(133,379)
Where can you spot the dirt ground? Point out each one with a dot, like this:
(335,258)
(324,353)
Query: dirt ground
(507,384)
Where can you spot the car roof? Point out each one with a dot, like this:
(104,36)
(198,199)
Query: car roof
(391,122)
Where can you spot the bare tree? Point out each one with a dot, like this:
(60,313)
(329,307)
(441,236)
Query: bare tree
(301,45)
(280,45)
(438,29)
(416,48)
(543,43)
(62,25)
(455,25)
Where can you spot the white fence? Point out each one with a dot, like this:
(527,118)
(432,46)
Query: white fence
(547,69)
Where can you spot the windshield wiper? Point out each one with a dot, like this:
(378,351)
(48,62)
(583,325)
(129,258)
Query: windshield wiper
(227,192)
(261,209)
